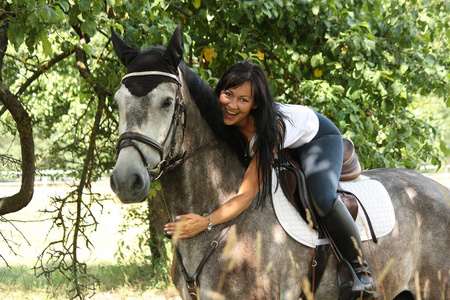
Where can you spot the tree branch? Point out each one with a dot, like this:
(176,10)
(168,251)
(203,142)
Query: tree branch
(23,197)
(43,69)
(3,37)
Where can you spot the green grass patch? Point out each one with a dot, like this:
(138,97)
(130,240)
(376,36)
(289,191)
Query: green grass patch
(20,282)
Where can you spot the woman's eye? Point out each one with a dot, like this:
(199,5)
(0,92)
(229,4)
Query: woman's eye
(167,103)
(226,93)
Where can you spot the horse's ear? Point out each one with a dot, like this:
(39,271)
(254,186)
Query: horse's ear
(123,50)
(174,50)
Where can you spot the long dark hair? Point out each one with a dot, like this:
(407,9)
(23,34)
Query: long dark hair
(269,124)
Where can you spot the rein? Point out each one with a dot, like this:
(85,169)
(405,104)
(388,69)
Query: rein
(192,280)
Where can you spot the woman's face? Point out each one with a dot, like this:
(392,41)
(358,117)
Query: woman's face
(237,104)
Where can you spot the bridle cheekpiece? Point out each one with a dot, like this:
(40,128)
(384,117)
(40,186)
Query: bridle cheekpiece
(128,138)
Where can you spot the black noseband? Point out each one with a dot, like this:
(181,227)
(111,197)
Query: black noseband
(127,139)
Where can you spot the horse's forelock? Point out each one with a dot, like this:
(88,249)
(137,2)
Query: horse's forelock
(148,60)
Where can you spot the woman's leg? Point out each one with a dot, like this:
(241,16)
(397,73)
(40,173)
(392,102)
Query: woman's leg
(321,160)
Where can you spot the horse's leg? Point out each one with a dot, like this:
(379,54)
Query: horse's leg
(404,296)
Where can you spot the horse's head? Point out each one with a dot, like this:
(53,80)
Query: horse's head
(151,115)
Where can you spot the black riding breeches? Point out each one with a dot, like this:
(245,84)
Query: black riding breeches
(321,160)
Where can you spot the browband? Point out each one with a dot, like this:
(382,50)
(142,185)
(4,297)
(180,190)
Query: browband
(147,73)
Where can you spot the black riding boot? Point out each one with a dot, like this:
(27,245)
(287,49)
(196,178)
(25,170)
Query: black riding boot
(341,227)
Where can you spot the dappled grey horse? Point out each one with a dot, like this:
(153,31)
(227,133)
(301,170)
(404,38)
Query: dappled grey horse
(166,118)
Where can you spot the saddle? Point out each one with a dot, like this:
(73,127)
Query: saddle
(295,186)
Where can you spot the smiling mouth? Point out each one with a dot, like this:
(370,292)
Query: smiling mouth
(230,113)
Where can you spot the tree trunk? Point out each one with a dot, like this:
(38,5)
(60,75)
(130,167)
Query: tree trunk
(18,201)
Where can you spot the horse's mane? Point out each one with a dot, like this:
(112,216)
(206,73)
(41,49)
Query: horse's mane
(209,106)
(205,98)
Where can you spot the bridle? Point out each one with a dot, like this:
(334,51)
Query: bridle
(169,162)
(128,138)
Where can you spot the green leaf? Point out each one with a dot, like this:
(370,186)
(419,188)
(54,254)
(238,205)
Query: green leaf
(315,10)
(16,34)
(64,5)
(396,88)
(89,26)
(50,14)
(33,19)
(46,45)
(445,148)
(369,44)
(84,5)
(243,55)
(403,68)
(88,49)
(354,118)
(316,60)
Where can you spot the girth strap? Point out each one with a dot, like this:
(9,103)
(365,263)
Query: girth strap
(319,262)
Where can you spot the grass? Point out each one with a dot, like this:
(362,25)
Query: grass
(27,234)
(116,282)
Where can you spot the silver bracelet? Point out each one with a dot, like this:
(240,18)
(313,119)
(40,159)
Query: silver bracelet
(210,222)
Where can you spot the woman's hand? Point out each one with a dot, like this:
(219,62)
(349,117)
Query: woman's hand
(187,226)
(190,225)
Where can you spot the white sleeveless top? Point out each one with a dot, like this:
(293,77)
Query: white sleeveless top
(301,123)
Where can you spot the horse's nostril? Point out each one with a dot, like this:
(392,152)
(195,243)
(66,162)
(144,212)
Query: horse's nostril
(137,183)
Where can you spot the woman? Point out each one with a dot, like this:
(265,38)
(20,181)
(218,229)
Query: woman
(258,128)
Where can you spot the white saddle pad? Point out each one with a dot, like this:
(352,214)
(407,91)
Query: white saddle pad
(372,195)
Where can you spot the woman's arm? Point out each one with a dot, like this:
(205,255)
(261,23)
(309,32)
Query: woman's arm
(193,224)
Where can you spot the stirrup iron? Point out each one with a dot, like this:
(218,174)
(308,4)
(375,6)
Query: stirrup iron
(355,288)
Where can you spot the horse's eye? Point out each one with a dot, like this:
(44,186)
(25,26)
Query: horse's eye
(167,103)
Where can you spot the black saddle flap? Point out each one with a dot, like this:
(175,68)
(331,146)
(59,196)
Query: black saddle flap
(293,184)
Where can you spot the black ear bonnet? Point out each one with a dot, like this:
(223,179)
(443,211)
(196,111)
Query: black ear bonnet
(150,60)
(157,58)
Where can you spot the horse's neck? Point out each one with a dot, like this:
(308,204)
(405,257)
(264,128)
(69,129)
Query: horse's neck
(207,179)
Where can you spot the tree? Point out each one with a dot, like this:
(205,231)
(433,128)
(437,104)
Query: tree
(361,63)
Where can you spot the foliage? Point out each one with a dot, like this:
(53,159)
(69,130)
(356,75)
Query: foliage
(364,64)
(361,63)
